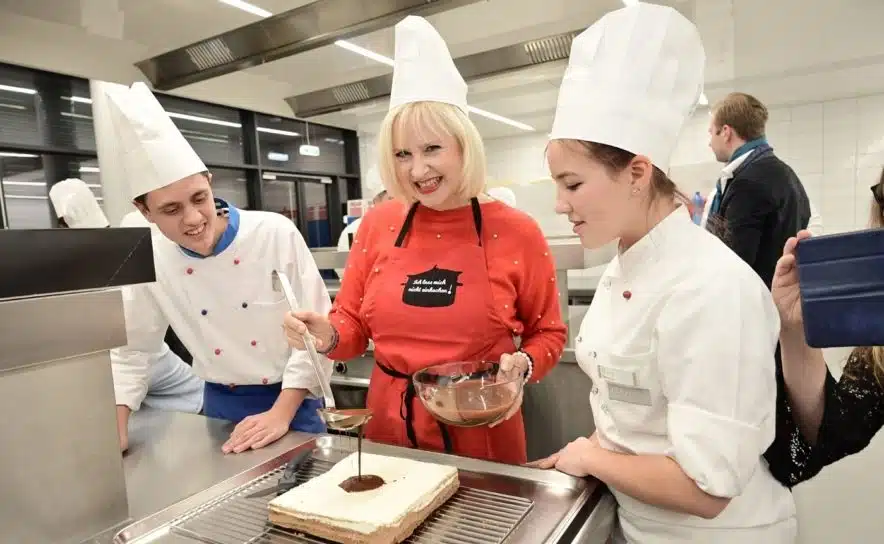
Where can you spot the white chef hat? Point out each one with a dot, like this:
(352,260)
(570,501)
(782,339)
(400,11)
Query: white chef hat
(154,152)
(504,194)
(633,79)
(424,70)
(74,202)
(134,219)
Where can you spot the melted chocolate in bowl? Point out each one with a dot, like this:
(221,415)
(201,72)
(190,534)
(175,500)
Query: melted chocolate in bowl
(365,482)
(471,404)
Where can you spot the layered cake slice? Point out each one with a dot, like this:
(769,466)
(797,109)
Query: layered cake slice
(394,496)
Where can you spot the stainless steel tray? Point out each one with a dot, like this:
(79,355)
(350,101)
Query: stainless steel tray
(495,504)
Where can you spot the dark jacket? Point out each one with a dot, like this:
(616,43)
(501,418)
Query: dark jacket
(762,206)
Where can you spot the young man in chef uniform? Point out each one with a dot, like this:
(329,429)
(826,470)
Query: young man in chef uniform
(679,345)
(214,265)
(171,384)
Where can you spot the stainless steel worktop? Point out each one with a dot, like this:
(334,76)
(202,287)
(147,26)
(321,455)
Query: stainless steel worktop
(175,457)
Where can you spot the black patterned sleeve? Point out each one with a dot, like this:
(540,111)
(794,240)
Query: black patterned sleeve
(853,414)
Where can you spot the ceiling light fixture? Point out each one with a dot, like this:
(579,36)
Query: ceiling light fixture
(704,101)
(279,132)
(389,62)
(17,155)
(365,52)
(196,119)
(20,90)
(247,7)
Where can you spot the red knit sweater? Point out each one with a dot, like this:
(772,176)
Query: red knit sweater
(521,269)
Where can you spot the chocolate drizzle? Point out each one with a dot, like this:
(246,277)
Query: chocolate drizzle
(365,482)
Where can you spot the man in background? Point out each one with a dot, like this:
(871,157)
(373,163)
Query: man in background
(172,385)
(759,202)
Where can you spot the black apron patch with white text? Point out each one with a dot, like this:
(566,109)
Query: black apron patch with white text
(435,288)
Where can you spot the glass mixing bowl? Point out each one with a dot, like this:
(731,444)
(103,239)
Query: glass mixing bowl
(467,394)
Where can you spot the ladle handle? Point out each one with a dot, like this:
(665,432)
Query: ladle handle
(280,279)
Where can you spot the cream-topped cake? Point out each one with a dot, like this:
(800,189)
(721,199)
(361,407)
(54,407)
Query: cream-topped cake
(412,490)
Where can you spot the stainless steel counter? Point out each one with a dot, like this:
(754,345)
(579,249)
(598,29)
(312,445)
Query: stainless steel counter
(173,455)
(176,456)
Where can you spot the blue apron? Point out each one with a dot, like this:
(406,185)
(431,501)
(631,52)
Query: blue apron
(236,403)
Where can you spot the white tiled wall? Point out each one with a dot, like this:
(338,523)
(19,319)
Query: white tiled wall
(836,147)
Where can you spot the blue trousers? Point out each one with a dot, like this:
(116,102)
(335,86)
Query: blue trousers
(235,404)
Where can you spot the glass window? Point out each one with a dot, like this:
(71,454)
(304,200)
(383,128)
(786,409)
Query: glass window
(230,185)
(318,226)
(24,184)
(43,109)
(280,195)
(282,144)
(214,132)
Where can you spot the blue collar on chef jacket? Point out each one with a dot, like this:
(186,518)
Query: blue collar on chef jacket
(222,208)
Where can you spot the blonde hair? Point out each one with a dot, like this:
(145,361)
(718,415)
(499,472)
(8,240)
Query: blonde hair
(431,120)
(871,357)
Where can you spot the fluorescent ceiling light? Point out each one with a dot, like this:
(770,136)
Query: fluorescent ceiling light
(18,155)
(40,184)
(206,120)
(90,169)
(20,90)
(704,101)
(80,99)
(245,6)
(279,132)
(501,119)
(35,197)
(184,116)
(389,62)
(630,2)
(365,52)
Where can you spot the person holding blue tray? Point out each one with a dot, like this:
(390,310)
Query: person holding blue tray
(819,420)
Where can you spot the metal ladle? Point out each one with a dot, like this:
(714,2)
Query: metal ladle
(334,418)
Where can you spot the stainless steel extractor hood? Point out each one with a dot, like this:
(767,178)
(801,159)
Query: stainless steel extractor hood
(301,29)
(473,67)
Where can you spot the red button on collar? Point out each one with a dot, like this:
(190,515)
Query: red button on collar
(264,381)
(235,261)
(189,270)
(254,343)
(217,351)
(627,295)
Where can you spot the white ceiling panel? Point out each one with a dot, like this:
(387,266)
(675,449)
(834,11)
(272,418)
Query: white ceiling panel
(784,51)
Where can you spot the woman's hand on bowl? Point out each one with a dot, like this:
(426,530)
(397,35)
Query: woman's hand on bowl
(512,367)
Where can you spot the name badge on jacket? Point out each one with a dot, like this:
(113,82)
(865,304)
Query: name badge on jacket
(623,386)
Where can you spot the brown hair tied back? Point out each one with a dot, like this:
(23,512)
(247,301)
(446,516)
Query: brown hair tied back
(615,160)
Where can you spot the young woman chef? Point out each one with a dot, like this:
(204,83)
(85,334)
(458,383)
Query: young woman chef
(679,340)
(171,383)
(494,276)
(213,265)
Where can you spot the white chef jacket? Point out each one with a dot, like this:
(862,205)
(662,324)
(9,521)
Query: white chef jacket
(679,342)
(224,310)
